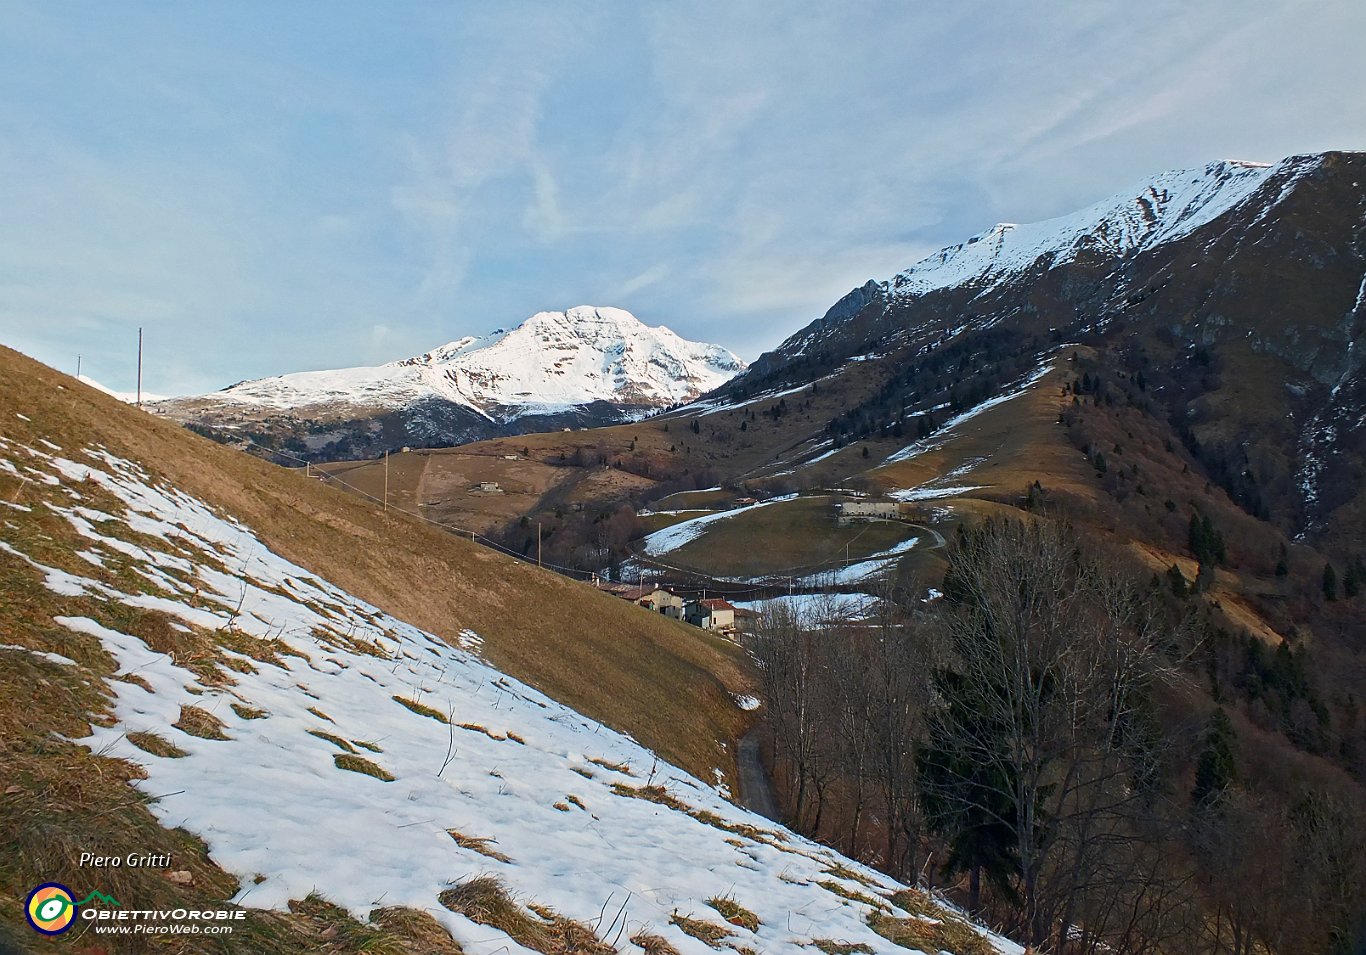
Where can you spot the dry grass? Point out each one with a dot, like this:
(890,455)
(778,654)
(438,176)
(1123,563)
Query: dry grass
(622,768)
(320,714)
(422,709)
(156,745)
(841,871)
(359,764)
(420,930)
(930,927)
(832,947)
(662,796)
(653,944)
(336,741)
(851,895)
(200,722)
(708,932)
(249,712)
(477,728)
(487,901)
(479,844)
(735,913)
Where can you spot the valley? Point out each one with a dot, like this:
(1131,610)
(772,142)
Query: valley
(1125,439)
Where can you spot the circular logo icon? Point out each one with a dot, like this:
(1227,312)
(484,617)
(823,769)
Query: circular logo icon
(51,908)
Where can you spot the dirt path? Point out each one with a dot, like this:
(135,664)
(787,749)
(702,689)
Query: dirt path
(756,793)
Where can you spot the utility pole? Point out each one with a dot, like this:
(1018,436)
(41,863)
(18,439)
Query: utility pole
(139,367)
(78,367)
(386,480)
(538,543)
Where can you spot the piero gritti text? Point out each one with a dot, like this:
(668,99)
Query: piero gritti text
(133,860)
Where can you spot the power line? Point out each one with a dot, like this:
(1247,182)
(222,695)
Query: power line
(573,572)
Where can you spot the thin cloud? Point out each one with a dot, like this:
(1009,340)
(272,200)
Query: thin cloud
(728,170)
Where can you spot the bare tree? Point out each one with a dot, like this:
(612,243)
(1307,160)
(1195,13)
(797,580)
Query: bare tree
(1038,732)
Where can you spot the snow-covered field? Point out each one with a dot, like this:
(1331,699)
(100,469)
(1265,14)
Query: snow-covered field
(489,758)
(685,532)
(868,569)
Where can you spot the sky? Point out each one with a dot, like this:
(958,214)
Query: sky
(267,187)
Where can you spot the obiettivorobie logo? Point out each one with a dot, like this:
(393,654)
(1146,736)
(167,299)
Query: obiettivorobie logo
(51,908)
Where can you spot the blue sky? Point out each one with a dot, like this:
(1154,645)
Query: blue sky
(270,187)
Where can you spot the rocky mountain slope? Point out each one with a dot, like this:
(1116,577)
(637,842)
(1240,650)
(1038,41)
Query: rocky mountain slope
(1236,292)
(585,366)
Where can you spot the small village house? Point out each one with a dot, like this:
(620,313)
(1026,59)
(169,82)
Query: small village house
(664,601)
(711,614)
(847,512)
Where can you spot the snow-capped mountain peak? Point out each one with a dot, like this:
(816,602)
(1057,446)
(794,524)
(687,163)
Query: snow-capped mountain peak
(1167,207)
(552,362)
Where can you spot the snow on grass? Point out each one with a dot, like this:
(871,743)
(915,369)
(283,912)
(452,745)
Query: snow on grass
(817,606)
(281,788)
(51,657)
(927,493)
(861,572)
(685,532)
(941,435)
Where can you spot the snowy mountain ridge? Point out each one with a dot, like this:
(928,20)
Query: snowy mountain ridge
(1160,210)
(1167,207)
(552,362)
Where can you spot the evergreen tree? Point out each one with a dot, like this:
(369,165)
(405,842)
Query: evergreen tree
(1177,580)
(1205,542)
(1351,578)
(966,800)
(1330,582)
(1216,769)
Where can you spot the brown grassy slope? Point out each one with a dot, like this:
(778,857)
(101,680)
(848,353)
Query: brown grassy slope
(1002,450)
(666,684)
(792,537)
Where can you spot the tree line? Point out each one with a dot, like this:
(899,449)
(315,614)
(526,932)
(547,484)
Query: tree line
(1029,737)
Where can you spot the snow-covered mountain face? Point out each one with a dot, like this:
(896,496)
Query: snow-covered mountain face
(1169,207)
(583,367)
(1236,289)
(554,361)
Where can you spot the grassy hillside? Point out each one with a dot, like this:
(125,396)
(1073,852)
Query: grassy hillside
(667,684)
(346,782)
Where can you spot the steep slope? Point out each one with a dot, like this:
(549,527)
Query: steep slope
(424,575)
(318,744)
(583,366)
